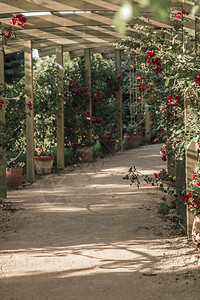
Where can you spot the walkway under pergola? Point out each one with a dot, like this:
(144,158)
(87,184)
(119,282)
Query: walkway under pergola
(81,27)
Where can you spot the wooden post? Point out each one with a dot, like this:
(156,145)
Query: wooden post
(190,164)
(119,100)
(60,113)
(191,158)
(30,171)
(3,189)
(191,155)
(147,123)
(180,185)
(89,83)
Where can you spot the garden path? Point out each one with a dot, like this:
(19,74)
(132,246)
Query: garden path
(87,234)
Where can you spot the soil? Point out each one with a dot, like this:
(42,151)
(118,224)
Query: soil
(86,234)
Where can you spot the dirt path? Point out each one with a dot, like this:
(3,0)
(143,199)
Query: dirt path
(87,234)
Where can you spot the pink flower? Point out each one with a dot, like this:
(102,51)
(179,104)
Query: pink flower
(86,89)
(76,82)
(119,77)
(163,171)
(98,121)
(88,114)
(76,91)
(164,158)
(1,104)
(151,53)
(155,175)
(178,15)
(197,79)
(30,105)
(107,135)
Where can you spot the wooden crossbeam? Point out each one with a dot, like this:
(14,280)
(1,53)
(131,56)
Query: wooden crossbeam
(19,6)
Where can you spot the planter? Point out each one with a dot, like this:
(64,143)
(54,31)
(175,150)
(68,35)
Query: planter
(43,164)
(13,177)
(196,229)
(109,145)
(132,141)
(86,153)
(169,183)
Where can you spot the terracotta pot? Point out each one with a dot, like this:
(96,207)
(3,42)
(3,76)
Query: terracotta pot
(132,141)
(13,177)
(196,229)
(109,145)
(43,164)
(169,183)
(86,153)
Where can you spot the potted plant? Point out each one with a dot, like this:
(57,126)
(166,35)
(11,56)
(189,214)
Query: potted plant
(108,141)
(14,174)
(192,200)
(85,148)
(43,161)
(131,136)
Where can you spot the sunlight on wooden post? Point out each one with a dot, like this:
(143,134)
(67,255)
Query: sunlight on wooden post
(147,123)
(30,170)
(60,113)
(191,155)
(3,189)
(180,185)
(119,100)
(87,56)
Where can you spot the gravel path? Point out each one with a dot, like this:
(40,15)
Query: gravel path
(87,234)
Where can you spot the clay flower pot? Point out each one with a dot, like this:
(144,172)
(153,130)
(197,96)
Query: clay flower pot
(43,164)
(196,229)
(132,140)
(85,153)
(13,177)
(109,145)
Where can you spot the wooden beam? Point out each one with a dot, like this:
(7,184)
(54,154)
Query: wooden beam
(67,20)
(60,113)
(87,56)
(19,6)
(147,124)
(30,171)
(119,100)
(79,53)
(3,188)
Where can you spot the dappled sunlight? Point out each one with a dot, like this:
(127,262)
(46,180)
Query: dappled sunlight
(87,259)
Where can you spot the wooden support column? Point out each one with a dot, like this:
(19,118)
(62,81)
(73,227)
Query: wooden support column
(87,56)
(191,155)
(60,113)
(180,185)
(191,158)
(190,164)
(119,100)
(30,170)
(3,189)
(147,124)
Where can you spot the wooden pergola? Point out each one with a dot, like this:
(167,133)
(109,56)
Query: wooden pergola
(79,27)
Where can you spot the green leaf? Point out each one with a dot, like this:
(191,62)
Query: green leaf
(144,3)
(167,81)
(120,24)
(195,9)
(160,9)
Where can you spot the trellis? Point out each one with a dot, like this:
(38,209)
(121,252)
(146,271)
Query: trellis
(84,26)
